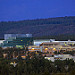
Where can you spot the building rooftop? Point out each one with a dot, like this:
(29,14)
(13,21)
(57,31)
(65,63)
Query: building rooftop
(50,43)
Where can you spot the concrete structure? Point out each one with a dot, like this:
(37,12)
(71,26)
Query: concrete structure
(60,57)
(50,58)
(1,41)
(69,42)
(62,45)
(63,57)
(50,47)
(38,42)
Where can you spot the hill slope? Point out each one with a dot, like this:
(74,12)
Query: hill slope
(40,27)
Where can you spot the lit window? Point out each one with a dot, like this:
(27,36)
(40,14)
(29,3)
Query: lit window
(46,48)
(32,48)
(36,53)
(65,44)
(48,58)
(21,40)
(29,47)
(54,49)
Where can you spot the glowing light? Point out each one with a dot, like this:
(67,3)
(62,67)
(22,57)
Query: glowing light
(72,43)
(32,48)
(54,49)
(61,47)
(51,47)
(11,63)
(48,58)
(23,56)
(29,47)
(21,40)
(14,62)
(65,44)
(36,53)
(46,48)
(19,46)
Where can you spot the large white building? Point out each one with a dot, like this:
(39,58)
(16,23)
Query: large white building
(69,42)
(60,57)
(1,41)
(38,42)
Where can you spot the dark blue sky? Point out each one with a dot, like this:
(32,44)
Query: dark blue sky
(13,10)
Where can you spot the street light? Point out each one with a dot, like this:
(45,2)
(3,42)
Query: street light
(13,63)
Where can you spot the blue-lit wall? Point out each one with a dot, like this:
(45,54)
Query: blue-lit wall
(13,40)
(13,36)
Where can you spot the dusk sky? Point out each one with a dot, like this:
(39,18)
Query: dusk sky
(15,10)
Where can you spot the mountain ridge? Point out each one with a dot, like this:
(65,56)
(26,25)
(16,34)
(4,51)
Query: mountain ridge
(40,27)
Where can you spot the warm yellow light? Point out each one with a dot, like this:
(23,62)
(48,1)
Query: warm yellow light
(29,47)
(72,43)
(48,58)
(11,63)
(46,48)
(21,40)
(32,48)
(23,56)
(54,49)
(14,62)
(36,53)
(61,46)
(65,44)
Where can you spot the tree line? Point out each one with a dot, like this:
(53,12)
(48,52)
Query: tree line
(36,65)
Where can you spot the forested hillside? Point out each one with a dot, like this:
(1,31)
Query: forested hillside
(40,27)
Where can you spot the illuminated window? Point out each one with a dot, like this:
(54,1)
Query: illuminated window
(46,48)
(21,40)
(11,63)
(48,58)
(54,49)
(72,43)
(65,44)
(32,48)
(36,53)
(29,47)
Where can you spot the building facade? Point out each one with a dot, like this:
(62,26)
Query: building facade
(17,40)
